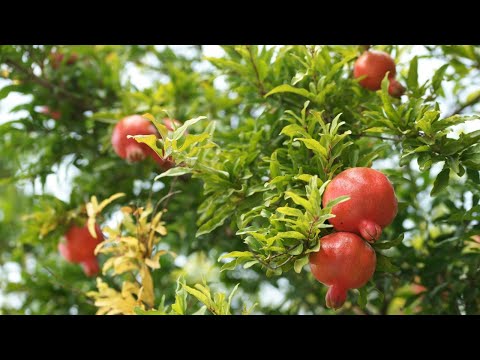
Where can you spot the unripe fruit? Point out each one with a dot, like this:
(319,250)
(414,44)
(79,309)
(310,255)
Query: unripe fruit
(374,65)
(343,262)
(128,148)
(372,204)
(80,246)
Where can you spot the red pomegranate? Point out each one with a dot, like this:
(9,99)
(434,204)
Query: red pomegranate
(374,65)
(80,246)
(372,204)
(133,151)
(344,262)
(130,149)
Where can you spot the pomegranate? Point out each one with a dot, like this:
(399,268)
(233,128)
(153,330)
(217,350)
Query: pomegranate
(372,204)
(55,115)
(130,149)
(375,64)
(133,151)
(80,246)
(343,262)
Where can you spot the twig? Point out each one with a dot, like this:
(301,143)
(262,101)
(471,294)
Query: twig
(68,288)
(46,84)
(261,88)
(374,137)
(473,101)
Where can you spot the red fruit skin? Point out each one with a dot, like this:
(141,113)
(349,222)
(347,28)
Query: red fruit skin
(130,149)
(91,267)
(374,64)
(372,204)
(80,244)
(395,89)
(343,262)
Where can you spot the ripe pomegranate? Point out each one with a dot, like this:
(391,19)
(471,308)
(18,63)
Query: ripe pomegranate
(372,204)
(80,246)
(343,262)
(375,64)
(130,149)
(133,151)
(55,115)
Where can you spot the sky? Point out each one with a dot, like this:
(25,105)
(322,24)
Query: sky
(58,184)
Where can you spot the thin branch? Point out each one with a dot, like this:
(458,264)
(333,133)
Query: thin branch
(374,137)
(66,287)
(261,88)
(462,107)
(46,84)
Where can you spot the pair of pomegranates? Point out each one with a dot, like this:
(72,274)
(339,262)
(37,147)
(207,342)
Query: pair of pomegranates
(133,151)
(374,65)
(345,261)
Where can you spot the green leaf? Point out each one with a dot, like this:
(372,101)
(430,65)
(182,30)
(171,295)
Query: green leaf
(288,88)
(412,79)
(299,200)
(176,171)
(438,77)
(384,264)
(236,254)
(315,146)
(299,76)
(387,103)
(177,134)
(289,211)
(290,235)
(338,200)
(300,263)
(362,297)
(389,244)
(441,181)
(294,130)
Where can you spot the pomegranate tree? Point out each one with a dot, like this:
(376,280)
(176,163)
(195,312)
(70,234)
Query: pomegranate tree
(344,262)
(372,204)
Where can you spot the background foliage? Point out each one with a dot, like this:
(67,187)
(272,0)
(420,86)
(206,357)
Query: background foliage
(272,125)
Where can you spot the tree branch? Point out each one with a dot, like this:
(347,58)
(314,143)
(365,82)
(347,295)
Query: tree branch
(261,88)
(462,107)
(46,84)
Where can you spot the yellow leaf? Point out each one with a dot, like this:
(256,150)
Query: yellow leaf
(154,262)
(147,282)
(126,209)
(91,227)
(109,200)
